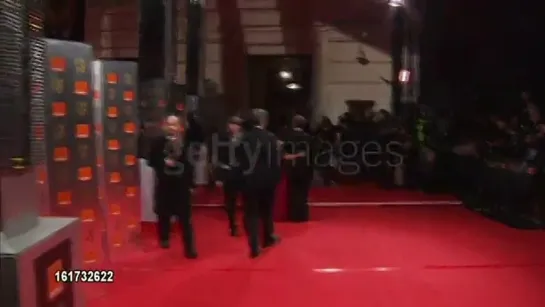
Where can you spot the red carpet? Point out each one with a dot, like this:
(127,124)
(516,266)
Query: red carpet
(437,256)
(367,193)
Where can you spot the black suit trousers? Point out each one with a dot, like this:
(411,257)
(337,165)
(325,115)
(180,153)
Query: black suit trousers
(231,190)
(258,206)
(180,208)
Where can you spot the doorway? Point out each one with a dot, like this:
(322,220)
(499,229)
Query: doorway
(282,85)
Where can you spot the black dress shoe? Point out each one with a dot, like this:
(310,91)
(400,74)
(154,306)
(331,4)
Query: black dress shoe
(255,253)
(164,244)
(235,232)
(191,255)
(272,241)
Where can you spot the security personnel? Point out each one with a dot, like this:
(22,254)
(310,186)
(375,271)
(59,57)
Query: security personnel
(298,153)
(259,159)
(227,171)
(171,159)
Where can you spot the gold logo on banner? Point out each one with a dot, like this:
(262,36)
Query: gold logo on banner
(60,132)
(82,108)
(129,145)
(58,85)
(83,150)
(111,94)
(128,79)
(113,159)
(62,176)
(128,110)
(81,66)
(112,127)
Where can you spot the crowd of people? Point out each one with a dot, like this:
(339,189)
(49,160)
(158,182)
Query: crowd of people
(495,164)
(493,161)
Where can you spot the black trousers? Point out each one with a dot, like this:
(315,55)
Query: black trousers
(297,194)
(180,208)
(231,190)
(258,206)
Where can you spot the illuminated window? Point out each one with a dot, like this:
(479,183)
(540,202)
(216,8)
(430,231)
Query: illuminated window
(112,112)
(115,177)
(130,160)
(111,78)
(128,95)
(58,108)
(87,215)
(129,128)
(81,88)
(90,257)
(64,198)
(58,64)
(60,154)
(85,173)
(117,239)
(132,223)
(130,192)
(54,288)
(115,209)
(113,145)
(82,131)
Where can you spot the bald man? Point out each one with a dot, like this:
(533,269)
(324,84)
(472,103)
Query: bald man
(172,157)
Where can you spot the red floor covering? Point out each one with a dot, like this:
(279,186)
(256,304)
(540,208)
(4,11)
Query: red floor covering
(360,193)
(442,256)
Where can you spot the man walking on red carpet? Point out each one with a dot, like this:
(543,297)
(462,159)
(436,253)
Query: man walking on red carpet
(228,173)
(259,160)
(171,159)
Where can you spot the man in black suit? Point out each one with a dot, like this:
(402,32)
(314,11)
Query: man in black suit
(228,173)
(171,157)
(298,153)
(259,160)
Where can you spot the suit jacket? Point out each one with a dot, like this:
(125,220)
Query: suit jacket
(259,159)
(227,167)
(172,184)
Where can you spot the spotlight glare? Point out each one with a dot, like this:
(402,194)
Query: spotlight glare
(293,86)
(396,3)
(404,76)
(286,75)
